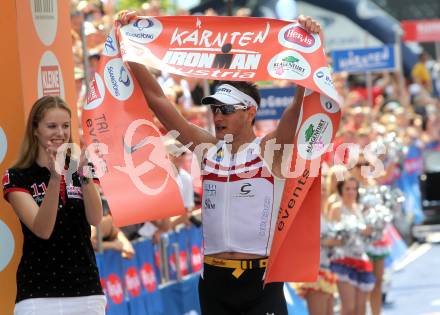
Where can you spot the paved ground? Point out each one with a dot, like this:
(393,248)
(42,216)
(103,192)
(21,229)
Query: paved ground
(415,288)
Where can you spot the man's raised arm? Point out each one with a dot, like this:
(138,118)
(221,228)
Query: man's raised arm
(166,112)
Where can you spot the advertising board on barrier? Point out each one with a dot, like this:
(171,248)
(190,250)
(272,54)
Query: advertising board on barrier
(364,60)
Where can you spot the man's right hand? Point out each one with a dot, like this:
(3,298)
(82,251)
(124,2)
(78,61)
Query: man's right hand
(125,17)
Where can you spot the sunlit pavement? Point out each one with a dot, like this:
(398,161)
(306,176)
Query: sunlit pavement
(415,287)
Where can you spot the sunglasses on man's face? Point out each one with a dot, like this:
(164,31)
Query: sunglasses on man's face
(227,109)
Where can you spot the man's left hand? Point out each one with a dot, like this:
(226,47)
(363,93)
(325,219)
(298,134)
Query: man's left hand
(309,24)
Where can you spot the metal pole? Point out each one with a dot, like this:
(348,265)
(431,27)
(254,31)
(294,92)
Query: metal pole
(229,7)
(164,259)
(369,78)
(437,51)
(85,56)
(398,55)
(177,256)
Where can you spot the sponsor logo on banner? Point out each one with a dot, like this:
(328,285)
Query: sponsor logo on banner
(289,65)
(45,18)
(315,136)
(210,53)
(50,77)
(328,104)
(148,278)
(110,46)
(132,282)
(8,245)
(196,258)
(96,93)
(3,144)
(295,37)
(324,81)
(118,80)
(143,31)
(114,288)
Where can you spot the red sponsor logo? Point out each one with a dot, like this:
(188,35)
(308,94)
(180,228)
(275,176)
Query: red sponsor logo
(5,180)
(132,282)
(182,261)
(94,93)
(114,289)
(196,258)
(50,80)
(148,278)
(299,36)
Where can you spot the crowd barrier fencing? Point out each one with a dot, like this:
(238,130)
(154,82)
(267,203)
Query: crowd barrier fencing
(162,279)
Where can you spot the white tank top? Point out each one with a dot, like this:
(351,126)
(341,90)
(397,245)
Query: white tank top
(240,201)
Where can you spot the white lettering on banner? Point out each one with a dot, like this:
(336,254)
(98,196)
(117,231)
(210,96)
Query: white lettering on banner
(211,73)
(206,60)
(207,38)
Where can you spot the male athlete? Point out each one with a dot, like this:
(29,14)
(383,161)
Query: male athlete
(241,189)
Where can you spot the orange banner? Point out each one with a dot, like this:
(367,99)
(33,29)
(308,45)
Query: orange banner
(227,48)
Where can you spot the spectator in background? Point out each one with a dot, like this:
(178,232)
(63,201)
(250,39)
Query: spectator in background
(351,264)
(151,8)
(420,73)
(112,238)
(184,181)
(243,12)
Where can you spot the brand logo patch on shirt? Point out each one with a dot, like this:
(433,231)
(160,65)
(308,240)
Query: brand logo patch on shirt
(74,192)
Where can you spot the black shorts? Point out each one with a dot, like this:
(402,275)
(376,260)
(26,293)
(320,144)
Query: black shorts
(221,293)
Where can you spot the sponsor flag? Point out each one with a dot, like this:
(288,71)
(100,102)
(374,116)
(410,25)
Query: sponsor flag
(219,48)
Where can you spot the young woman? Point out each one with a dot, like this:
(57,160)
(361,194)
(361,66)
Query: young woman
(351,266)
(57,273)
(319,295)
